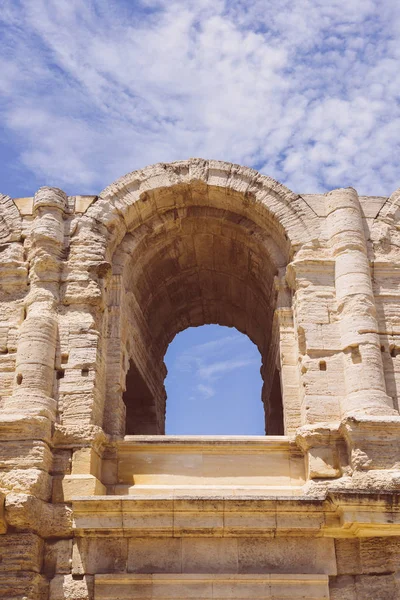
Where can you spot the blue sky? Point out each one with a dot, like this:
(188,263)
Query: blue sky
(306,91)
(213,383)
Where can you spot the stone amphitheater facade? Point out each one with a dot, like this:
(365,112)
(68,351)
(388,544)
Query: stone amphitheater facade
(96,502)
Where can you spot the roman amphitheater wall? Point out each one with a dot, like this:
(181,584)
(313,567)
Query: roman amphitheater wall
(96,502)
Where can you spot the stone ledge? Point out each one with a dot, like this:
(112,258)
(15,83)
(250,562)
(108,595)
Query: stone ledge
(226,587)
(68,486)
(187,516)
(340,514)
(264,442)
(269,465)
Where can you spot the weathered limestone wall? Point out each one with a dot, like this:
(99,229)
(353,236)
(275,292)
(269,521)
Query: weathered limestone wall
(92,291)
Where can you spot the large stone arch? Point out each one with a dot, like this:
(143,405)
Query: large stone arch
(261,195)
(179,245)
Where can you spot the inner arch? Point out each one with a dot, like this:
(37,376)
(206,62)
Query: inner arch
(204,261)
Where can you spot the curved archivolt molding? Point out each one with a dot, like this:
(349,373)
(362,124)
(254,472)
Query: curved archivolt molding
(140,194)
(10,220)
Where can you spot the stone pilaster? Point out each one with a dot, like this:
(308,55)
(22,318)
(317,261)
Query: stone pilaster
(289,371)
(35,361)
(363,369)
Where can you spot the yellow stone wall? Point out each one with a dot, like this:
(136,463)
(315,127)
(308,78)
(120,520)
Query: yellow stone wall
(93,288)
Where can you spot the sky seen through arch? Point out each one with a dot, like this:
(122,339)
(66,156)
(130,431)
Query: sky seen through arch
(213,383)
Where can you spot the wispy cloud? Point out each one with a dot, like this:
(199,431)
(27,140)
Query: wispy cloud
(219,369)
(211,361)
(304,90)
(199,354)
(206,391)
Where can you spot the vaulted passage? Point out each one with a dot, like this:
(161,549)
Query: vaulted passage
(204,261)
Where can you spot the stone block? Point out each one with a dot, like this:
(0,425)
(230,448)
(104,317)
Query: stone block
(348,556)
(24,205)
(99,555)
(65,587)
(376,587)
(81,485)
(322,463)
(86,461)
(57,557)
(342,588)
(26,481)
(286,555)
(21,552)
(18,585)
(209,555)
(155,555)
(25,455)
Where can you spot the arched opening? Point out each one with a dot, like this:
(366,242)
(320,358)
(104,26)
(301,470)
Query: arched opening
(194,266)
(213,383)
(194,255)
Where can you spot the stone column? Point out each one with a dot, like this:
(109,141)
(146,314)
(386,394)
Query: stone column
(35,361)
(364,376)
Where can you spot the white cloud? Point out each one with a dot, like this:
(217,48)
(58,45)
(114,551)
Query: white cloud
(219,369)
(305,90)
(215,346)
(198,355)
(208,363)
(205,390)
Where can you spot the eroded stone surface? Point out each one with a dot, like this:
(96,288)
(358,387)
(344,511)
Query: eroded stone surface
(92,291)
